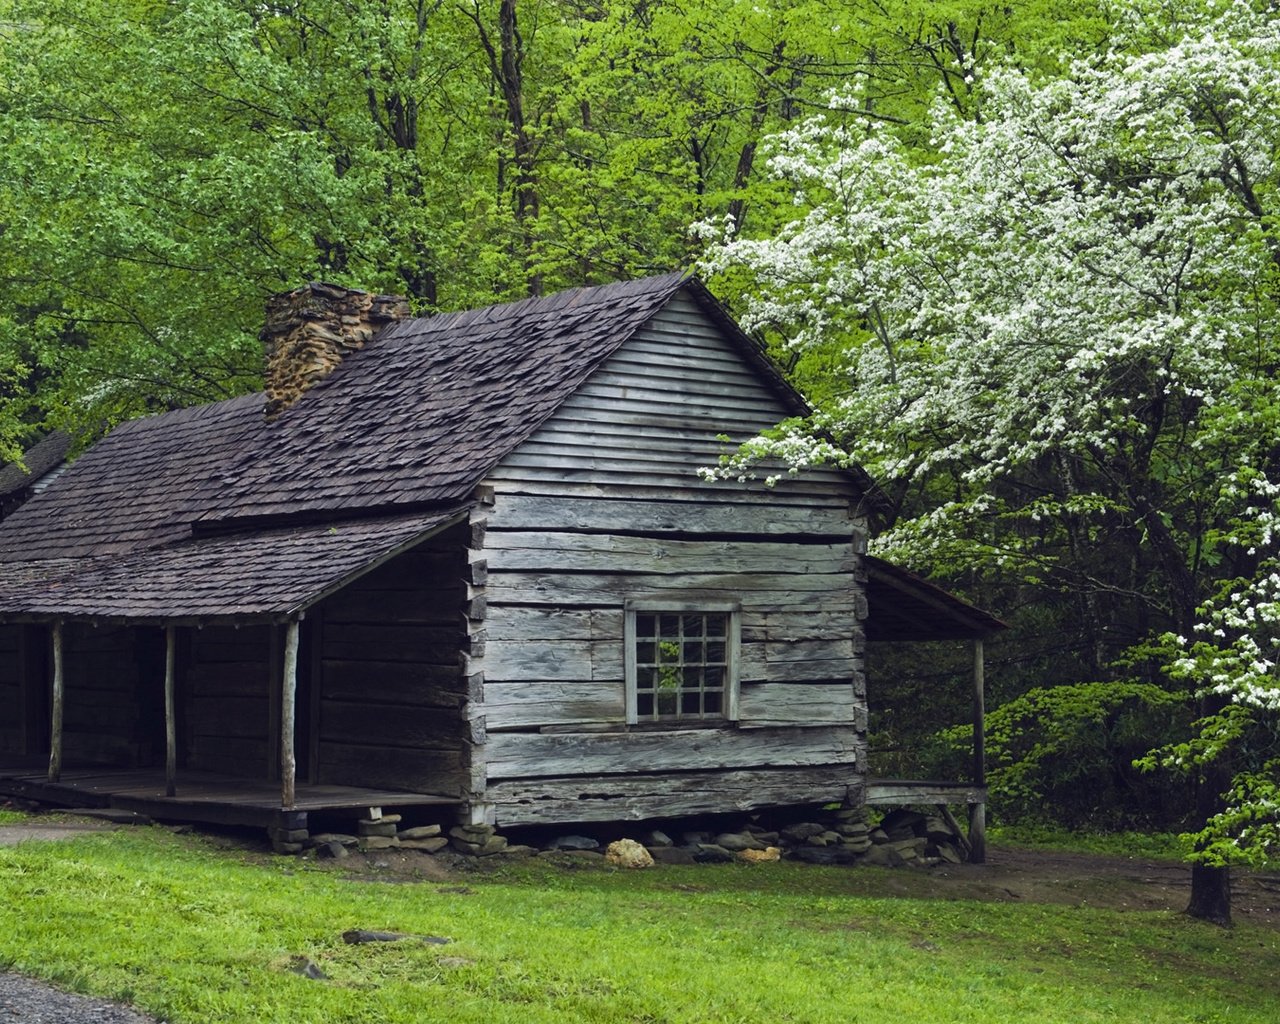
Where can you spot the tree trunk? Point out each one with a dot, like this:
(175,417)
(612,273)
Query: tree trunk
(1210,886)
(506,65)
(1210,894)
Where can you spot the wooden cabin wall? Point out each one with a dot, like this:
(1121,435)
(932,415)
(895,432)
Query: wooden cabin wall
(104,718)
(225,700)
(12,737)
(603,504)
(389,709)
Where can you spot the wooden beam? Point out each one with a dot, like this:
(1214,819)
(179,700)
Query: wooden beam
(961,839)
(170,715)
(978,812)
(288,711)
(55,722)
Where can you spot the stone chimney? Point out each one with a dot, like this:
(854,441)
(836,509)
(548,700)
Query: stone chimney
(311,329)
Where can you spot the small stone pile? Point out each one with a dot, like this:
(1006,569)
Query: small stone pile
(476,840)
(903,838)
(381,833)
(844,836)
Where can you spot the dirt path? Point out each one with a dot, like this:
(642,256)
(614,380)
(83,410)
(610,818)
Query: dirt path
(1117,883)
(11,835)
(23,1001)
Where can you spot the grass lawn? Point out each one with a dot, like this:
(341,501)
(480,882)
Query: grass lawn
(194,934)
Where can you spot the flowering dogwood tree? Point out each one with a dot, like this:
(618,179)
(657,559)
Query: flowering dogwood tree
(1062,324)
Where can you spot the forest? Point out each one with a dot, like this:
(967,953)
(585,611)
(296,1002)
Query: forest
(1022,258)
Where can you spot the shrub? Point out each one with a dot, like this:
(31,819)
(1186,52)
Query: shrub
(1065,754)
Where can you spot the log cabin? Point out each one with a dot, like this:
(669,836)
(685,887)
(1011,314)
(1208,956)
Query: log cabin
(465,560)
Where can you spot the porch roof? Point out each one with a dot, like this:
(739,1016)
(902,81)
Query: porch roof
(267,574)
(904,606)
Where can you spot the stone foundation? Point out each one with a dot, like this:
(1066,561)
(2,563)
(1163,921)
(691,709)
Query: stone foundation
(902,838)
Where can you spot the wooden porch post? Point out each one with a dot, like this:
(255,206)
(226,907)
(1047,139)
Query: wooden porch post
(978,812)
(288,711)
(55,724)
(170,715)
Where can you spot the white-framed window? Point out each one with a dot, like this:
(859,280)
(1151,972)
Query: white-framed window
(681,660)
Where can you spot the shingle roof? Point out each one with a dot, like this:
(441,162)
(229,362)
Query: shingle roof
(409,424)
(422,412)
(904,606)
(135,488)
(263,574)
(41,457)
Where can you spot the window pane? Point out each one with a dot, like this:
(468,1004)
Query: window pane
(681,665)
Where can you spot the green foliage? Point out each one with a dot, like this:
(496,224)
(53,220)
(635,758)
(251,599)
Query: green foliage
(165,166)
(1057,339)
(1065,754)
(1161,846)
(193,936)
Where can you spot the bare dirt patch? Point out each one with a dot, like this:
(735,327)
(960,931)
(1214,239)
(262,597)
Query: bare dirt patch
(1088,879)
(47,831)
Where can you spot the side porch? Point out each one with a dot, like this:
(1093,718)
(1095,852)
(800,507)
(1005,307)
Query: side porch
(208,798)
(330,683)
(905,607)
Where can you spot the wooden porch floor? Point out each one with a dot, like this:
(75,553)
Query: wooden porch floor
(200,797)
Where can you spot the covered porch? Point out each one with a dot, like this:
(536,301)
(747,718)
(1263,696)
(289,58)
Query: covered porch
(204,797)
(245,679)
(906,607)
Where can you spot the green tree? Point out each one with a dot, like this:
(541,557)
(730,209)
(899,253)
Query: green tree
(1058,345)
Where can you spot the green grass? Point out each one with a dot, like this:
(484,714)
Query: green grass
(196,935)
(1166,846)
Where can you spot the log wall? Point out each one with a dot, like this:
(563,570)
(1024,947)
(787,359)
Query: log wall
(603,504)
(225,700)
(110,673)
(389,709)
(12,739)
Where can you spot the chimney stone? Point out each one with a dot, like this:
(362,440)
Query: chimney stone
(311,329)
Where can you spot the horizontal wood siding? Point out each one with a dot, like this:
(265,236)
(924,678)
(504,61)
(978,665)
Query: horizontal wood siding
(653,414)
(668,794)
(389,710)
(225,701)
(603,504)
(11,704)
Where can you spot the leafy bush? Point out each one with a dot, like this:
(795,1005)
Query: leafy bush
(1065,754)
